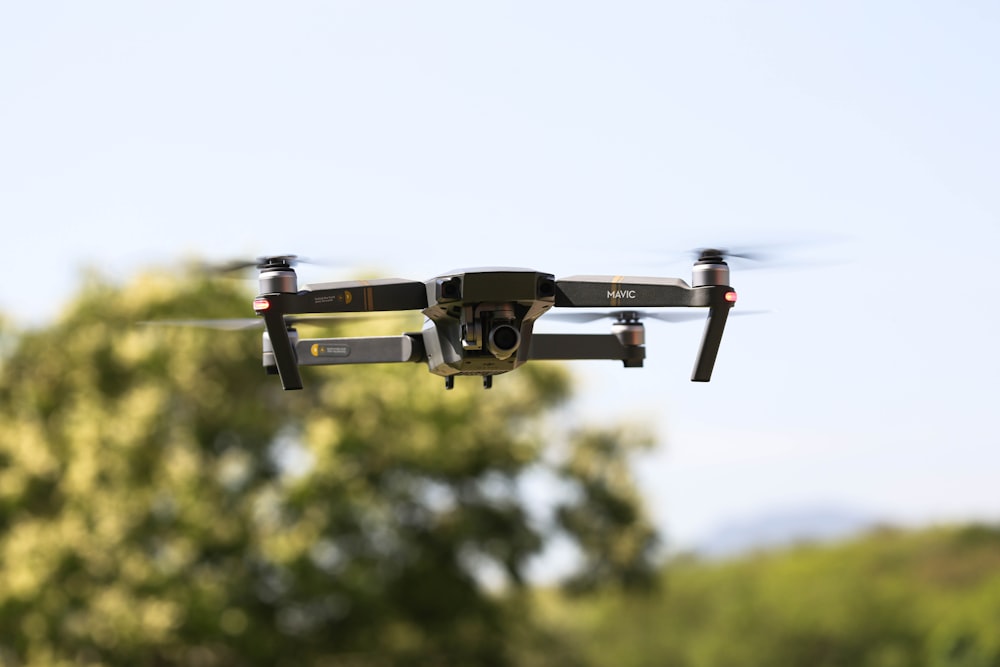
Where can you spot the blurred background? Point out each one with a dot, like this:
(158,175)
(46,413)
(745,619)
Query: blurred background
(855,142)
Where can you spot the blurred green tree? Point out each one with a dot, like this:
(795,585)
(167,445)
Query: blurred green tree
(163,503)
(890,598)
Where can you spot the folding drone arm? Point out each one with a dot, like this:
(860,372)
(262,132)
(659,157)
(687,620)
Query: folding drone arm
(355,296)
(566,347)
(722,299)
(360,350)
(631,292)
(628,292)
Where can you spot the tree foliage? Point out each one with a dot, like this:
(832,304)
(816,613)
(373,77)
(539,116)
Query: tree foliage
(163,503)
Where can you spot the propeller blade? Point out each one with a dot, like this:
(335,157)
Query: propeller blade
(693,315)
(237,265)
(245,323)
(676,317)
(787,253)
(328,320)
(577,317)
(239,324)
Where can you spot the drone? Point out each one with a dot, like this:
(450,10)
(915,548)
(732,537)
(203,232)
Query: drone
(480,321)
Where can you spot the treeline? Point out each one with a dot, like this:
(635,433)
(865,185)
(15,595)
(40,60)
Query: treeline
(891,598)
(163,502)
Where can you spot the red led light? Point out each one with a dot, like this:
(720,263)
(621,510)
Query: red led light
(731,297)
(261,304)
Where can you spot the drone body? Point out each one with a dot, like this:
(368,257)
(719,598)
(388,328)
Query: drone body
(480,321)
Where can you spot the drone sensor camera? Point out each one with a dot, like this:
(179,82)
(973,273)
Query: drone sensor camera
(504,341)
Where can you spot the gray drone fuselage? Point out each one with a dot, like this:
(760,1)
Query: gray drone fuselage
(480,321)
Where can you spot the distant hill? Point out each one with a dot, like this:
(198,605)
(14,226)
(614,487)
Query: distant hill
(783,528)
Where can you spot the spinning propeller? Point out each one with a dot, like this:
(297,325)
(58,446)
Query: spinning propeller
(779,254)
(245,323)
(628,316)
(262,263)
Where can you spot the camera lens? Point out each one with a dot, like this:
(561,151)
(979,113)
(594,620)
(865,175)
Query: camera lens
(504,340)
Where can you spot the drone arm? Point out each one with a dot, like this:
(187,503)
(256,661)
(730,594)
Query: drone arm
(358,296)
(584,346)
(284,353)
(345,297)
(627,292)
(360,350)
(718,313)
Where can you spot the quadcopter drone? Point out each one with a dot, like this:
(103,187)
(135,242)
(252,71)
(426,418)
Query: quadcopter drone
(480,321)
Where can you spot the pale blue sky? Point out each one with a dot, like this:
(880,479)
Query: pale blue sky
(572,137)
